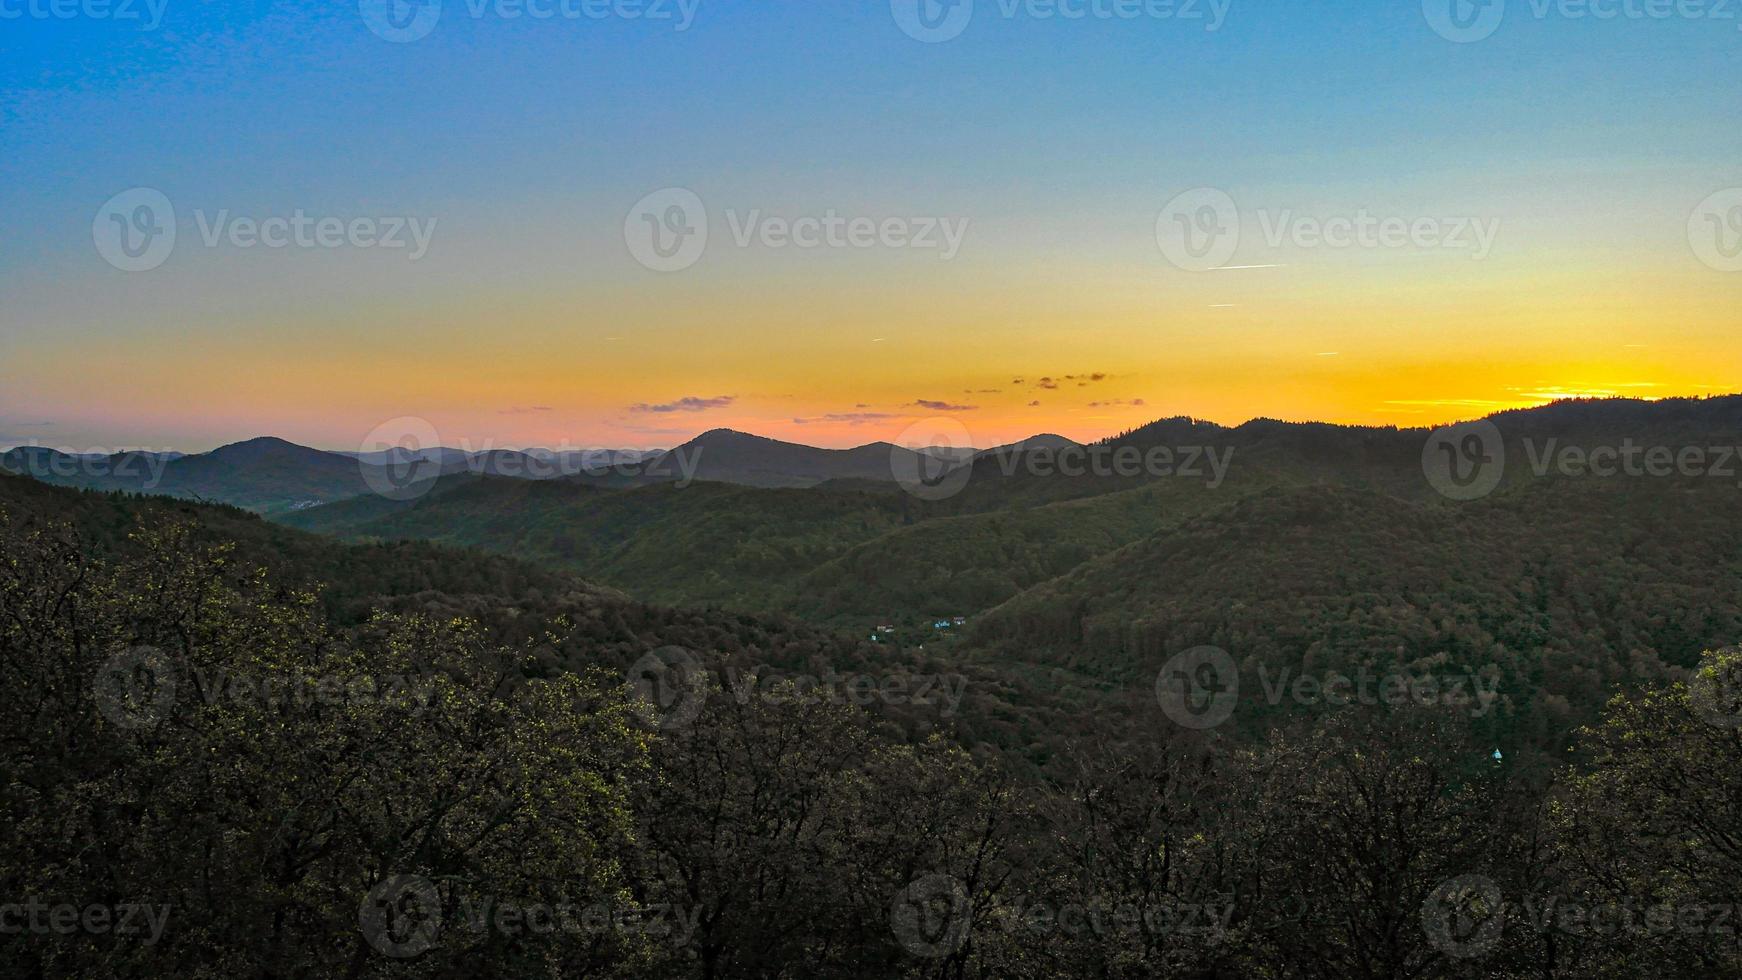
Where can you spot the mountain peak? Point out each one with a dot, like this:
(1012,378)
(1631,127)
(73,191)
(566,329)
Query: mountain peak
(1047,440)
(715,435)
(268,449)
(260,444)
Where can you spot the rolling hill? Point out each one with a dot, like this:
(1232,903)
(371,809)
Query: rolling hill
(853,553)
(265,474)
(729,456)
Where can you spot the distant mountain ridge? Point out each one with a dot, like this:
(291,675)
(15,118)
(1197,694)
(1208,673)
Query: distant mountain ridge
(271,475)
(730,456)
(859,552)
(265,474)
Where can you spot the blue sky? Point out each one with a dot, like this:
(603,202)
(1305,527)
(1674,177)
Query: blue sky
(531,138)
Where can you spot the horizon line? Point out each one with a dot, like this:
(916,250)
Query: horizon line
(621,447)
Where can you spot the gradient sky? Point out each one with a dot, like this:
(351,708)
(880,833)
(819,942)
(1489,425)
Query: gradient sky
(528,142)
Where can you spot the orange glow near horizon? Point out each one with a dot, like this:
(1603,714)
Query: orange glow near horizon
(841,360)
(632,401)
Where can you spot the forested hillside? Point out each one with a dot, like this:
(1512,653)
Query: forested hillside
(854,555)
(1572,590)
(566,623)
(246,780)
(705,543)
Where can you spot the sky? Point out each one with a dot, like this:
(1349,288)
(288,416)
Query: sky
(624,222)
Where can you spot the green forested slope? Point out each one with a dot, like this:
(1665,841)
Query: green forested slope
(1574,589)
